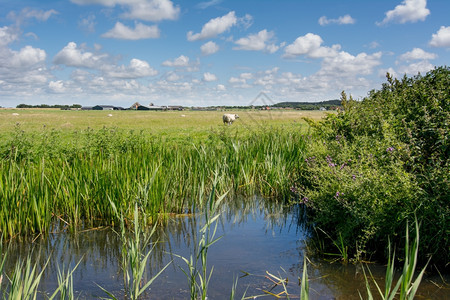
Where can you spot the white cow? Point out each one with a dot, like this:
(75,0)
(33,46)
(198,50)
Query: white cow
(229,118)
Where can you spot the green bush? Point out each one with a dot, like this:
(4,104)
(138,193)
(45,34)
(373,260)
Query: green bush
(380,161)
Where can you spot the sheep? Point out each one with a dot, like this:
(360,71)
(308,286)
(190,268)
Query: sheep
(229,118)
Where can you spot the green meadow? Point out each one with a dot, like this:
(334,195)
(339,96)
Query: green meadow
(67,167)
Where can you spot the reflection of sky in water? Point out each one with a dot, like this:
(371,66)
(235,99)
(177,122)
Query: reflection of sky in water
(257,236)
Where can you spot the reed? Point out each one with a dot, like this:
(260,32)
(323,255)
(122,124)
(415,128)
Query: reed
(134,258)
(405,288)
(197,265)
(73,182)
(25,280)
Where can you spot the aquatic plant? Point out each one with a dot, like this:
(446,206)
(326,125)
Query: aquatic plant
(197,265)
(405,288)
(134,259)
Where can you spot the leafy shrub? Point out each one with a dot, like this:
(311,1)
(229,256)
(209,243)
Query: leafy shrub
(381,160)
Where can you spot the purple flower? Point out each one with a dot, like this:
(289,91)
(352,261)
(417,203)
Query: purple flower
(354,177)
(390,149)
(304,200)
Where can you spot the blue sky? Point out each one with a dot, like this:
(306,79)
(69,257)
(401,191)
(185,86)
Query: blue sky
(201,53)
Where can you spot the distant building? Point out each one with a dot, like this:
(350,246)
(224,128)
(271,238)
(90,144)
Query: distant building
(151,107)
(107,107)
(103,107)
(175,107)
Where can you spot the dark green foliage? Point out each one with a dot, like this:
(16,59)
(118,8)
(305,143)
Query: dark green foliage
(381,161)
(329,104)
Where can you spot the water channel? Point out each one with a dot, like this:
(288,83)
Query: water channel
(257,236)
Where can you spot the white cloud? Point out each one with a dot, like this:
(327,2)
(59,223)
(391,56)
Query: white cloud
(343,20)
(221,87)
(181,61)
(310,45)
(172,76)
(208,77)
(417,54)
(57,86)
(414,68)
(204,5)
(441,38)
(257,42)
(74,56)
(27,57)
(88,23)
(141,31)
(344,64)
(147,10)
(8,35)
(29,13)
(209,48)
(137,68)
(374,45)
(23,71)
(214,27)
(153,10)
(408,11)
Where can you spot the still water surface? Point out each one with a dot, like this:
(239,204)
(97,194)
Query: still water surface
(257,236)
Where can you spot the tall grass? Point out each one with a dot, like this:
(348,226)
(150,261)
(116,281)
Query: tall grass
(73,181)
(197,271)
(405,288)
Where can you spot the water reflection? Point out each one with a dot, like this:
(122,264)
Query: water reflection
(259,236)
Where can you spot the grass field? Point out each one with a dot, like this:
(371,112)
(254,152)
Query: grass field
(168,123)
(71,165)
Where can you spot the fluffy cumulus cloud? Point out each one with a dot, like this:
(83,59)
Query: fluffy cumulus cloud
(417,54)
(407,11)
(181,61)
(141,31)
(8,35)
(441,38)
(214,27)
(27,57)
(208,77)
(147,10)
(260,41)
(417,67)
(136,69)
(343,20)
(311,46)
(57,86)
(344,64)
(73,56)
(26,65)
(209,48)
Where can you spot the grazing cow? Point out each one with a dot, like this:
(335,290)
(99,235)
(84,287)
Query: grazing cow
(229,118)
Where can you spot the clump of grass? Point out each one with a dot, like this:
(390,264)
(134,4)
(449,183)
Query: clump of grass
(65,284)
(134,259)
(197,264)
(25,280)
(405,288)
